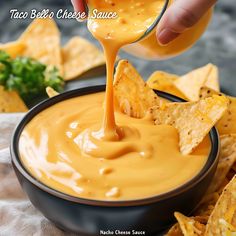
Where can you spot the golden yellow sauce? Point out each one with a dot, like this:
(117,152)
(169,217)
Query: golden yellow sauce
(150,48)
(145,162)
(133,19)
(79,148)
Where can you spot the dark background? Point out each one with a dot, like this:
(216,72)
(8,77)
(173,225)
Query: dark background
(218,45)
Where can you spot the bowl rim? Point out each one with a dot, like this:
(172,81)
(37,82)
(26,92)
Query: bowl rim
(15,157)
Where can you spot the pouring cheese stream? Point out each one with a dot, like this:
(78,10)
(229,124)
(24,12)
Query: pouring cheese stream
(134,18)
(79,148)
(132,22)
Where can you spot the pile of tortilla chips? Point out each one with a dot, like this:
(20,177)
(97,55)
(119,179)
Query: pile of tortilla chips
(205,107)
(41,41)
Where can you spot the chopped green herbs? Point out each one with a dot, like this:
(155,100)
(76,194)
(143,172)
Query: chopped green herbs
(27,76)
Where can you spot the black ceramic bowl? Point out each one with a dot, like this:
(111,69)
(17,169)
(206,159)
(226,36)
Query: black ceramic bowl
(89,217)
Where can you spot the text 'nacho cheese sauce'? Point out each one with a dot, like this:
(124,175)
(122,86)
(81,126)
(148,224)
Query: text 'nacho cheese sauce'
(79,148)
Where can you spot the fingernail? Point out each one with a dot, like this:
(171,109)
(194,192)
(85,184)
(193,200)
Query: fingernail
(165,36)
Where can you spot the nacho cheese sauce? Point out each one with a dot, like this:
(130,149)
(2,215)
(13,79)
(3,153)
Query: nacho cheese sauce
(84,148)
(133,19)
(151,49)
(145,162)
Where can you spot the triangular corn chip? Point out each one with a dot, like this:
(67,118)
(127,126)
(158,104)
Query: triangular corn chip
(190,226)
(51,92)
(207,204)
(206,92)
(193,120)
(212,81)
(175,230)
(79,56)
(11,102)
(163,81)
(227,124)
(131,92)
(223,218)
(226,160)
(191,83)
(14,49)
(42,40)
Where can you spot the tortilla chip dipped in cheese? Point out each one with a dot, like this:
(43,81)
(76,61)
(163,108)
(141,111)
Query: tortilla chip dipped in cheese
(14,49)
(79,56)
(131,92)
(42,42)
(11,102)
(222,220)
(193,120)
(191,83)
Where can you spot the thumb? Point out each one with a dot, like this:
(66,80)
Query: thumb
(181,15)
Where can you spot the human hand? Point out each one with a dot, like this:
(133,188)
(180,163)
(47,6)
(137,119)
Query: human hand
(78,5)
(181,15)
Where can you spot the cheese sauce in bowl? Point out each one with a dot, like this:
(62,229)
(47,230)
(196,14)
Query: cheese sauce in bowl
(58,184)
(88,167)
(57,149)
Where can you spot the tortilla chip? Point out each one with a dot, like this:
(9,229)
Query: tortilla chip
(191,83)
(190,226)
(131,92)
(11,102)
(164,82)
(226,160)
(79,56)
(14,49)
(207,205)
(206,92)
(51,92)
(175,230)
(224,183)
(223,218)
(227,124)
(193,120)
(212,81)
(234,167)
(42,40)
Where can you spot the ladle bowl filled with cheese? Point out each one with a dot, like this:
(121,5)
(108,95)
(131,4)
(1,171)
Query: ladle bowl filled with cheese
(125,189)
